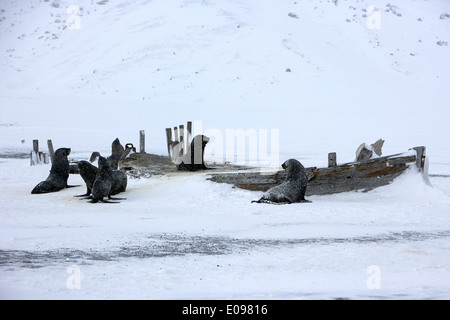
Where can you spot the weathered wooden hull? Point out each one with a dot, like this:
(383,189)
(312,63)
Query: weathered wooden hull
(353,176)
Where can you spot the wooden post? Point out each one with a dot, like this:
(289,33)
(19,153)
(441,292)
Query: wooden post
(50,149)
(142,141)
(36,146)
(169,139)
(175,134)
(38,157)
(189,128)
(32,158)
(188,133)
(46,158)
(332,160)
(182,139)
(34,155)
(420,158)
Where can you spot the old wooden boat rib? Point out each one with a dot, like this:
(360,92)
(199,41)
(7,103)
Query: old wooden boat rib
(353,176)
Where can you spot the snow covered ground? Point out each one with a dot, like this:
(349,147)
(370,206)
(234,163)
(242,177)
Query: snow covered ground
(313,70)
(180,237)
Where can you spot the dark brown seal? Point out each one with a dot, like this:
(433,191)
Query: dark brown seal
(89,172)
(59,174)
(117,151)
(102,186)
(193,159)
(292,190)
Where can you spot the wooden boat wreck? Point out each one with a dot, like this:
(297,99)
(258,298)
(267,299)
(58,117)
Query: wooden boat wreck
(362,175)
(353,176)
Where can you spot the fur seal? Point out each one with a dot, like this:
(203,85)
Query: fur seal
(102,186)
(292,190)
(117,151)
(89,172)
(193,159)
(119,182)
(59,174)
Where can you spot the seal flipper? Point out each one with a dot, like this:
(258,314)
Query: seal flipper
(104,201)
(112,198)
(82,195)
(107,201)
(263,200)
(42,187)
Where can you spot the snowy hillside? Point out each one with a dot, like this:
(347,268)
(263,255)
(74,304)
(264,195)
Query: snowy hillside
(124,66)
(328,75)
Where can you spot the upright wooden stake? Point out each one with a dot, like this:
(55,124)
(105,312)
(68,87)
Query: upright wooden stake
(188,132)
(50,149)
(182,139)
(34,155)
(169,139)
(332,160)
(420,158)
(46,158)
(175,134)
(189,128)
(36,146)
(142,141)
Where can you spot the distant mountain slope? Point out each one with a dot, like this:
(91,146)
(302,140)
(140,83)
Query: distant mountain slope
(312,66)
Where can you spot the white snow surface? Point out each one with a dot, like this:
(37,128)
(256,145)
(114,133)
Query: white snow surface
(311,69)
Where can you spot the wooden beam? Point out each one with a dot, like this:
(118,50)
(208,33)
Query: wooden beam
(50,149)
(332,160)
(189,128)
(34,155)
(36,146)
(142,141)
(420,159)
(175,134)
(182,139)
(188,137)
(169,139)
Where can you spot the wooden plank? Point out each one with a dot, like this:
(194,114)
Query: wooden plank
(36,146)
(188,136)
(46,158)
(332,159)
(420,161)
(34,155)
(142,141)
(175,134)
(352,180)
(182,141)
(189,128)
(32,158)
(169,140)
(50,149)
